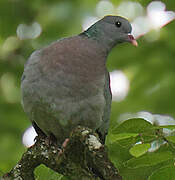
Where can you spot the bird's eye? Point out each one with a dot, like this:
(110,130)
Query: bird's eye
(118,24)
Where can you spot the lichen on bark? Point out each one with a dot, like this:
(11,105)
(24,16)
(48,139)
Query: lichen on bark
(84,157)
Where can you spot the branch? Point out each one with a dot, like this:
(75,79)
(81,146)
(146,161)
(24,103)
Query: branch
(83,157)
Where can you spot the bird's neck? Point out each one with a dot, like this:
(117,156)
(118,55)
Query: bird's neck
(100,36)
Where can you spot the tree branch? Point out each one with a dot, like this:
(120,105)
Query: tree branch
(84,157)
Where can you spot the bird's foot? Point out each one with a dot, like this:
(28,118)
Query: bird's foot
(64,146)
(65,143)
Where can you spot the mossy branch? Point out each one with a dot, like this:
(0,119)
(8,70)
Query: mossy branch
(84,157)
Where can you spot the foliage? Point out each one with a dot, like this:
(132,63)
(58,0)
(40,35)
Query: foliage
(137,155)
(150,69)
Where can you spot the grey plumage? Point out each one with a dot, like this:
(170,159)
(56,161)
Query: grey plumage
(66,84)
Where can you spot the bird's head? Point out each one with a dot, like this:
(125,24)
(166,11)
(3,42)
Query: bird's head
(112,30)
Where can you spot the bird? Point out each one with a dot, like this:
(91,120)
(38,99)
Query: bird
(66,84)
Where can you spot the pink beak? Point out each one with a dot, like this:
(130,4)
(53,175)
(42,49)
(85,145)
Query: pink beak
(132,40)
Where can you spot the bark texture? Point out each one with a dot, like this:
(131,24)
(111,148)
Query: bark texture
(83,158)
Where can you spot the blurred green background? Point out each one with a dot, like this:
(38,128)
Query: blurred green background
(150,68)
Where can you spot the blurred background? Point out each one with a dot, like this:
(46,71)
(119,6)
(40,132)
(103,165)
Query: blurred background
(142,78)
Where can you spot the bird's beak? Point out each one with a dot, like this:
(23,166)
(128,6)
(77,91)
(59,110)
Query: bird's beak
(132,40)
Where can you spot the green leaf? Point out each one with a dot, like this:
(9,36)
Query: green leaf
(167,173)
(135,125)
(149,159)
(117,137)
(118,154)
(139,149)
(44,173)
(171,138)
